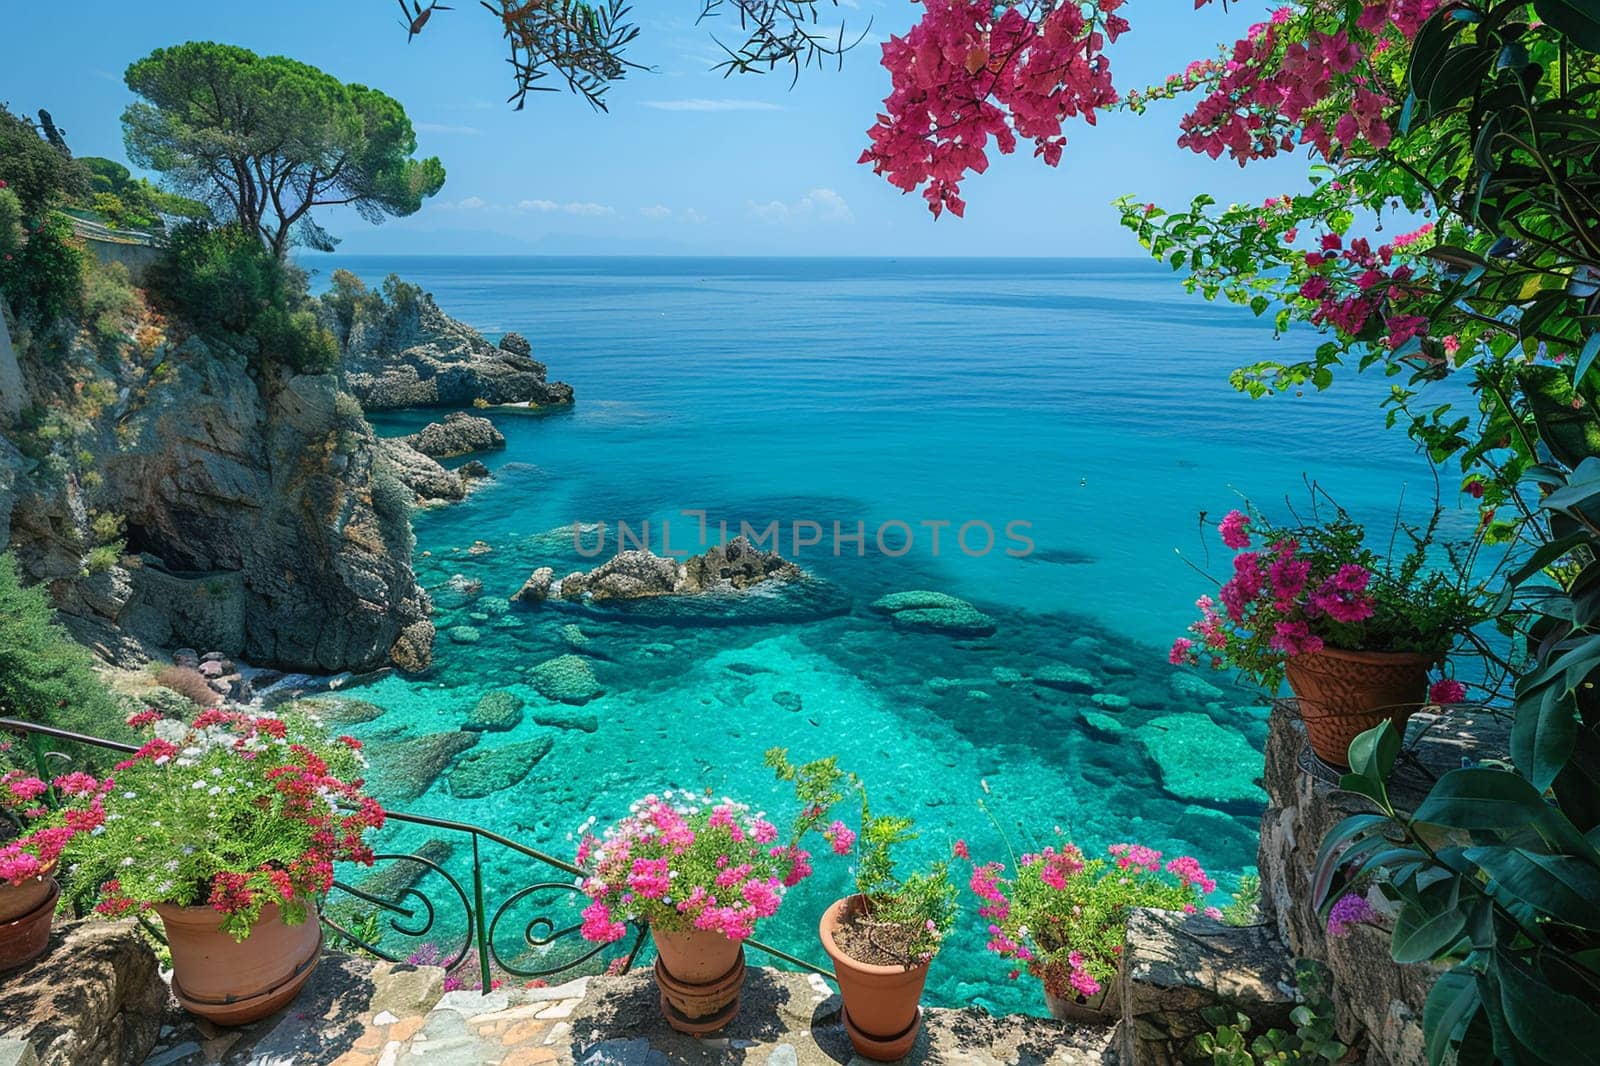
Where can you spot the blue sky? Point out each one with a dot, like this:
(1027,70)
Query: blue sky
(687,162)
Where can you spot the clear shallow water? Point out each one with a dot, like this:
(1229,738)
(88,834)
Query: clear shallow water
(1086,398)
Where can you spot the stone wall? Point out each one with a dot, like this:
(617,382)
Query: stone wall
(1374,995)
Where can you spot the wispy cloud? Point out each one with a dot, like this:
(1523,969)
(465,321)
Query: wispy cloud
(702,104)
(691,215)
(441,127)
(659,211)
(471,203)
(818,205)
(587,209)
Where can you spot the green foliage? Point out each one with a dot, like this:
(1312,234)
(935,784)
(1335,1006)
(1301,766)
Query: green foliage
(1244,906)
(1496,873)
(224,284)
(1313,1040)
(109,301)
(40,175)
(12,234)
(126,201)
(264,140)
(44,676)
(210,814)
(1506,902)
(922,903)
(349,300)
(43,282)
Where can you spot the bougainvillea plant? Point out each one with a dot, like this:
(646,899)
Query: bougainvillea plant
(43,816)
(233,812)
(1062,916)
(1295,590)
(680,862)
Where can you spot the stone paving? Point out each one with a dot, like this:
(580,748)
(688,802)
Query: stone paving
(359,1013)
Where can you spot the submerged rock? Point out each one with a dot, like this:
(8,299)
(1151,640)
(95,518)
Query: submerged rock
(497,712)
(789,701)
(1201,761)
(937,612)
(1064,677)
(1110,701)
(1103,723)
(334,710)
(459,434)
(566,679)
(403,769)
(485,772)
(1198,688)
(463,635)
(556,716)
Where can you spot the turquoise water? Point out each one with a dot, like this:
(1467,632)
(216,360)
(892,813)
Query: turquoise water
(1085,398)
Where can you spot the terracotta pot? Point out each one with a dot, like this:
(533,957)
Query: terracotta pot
(25,935)
(1067,1005)
(18,900)
(1342,694)
(237,982)
(881,1011)
(700,975)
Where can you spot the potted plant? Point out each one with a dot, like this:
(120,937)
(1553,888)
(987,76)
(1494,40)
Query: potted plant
(883,938)
(700,873)
(1063,916)
(34,833)
(1354,632)
(228,828)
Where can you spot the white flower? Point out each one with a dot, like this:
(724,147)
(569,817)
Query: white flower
(130,795)
(128,861)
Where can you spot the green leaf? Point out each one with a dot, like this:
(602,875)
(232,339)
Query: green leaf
(1372,753)
(1579,20)
(1482,798)
(1544,732)
(1329,856)
(1428,926)
(1553,1025)
(1452,1003)
(1565,888)
(1591,349)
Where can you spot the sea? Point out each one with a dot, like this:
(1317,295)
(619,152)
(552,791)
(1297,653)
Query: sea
(1045,440)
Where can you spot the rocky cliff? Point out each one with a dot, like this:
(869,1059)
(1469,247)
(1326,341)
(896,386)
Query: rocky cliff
(400,350)
(172,494)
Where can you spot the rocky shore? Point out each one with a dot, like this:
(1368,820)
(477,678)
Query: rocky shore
(177,494)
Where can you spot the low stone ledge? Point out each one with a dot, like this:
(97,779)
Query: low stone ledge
(790,1019)
(93,999)
(1176,966)
(336,1013)
(1378,1001)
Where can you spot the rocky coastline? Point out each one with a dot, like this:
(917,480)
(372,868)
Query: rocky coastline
(180,496)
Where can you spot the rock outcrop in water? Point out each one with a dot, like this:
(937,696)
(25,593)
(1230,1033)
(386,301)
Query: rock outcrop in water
(459,434)
(177,494)
(632,575)
(403,351)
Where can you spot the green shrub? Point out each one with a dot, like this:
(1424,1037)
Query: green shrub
(295,339)
(12,234)
(222,281)
(109,301)
(348,299)
(44,676)
(44,281)
(103,557)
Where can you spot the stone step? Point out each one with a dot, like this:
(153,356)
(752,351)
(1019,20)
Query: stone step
(1177,966)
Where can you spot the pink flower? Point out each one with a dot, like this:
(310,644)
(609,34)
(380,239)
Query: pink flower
(959,850)
(1234,528)
(1447,690)
(1182,653)
(598,925)
(841,836)
(1187,870)
(1351,910)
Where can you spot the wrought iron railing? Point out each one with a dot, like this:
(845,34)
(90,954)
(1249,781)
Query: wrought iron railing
(414,914)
